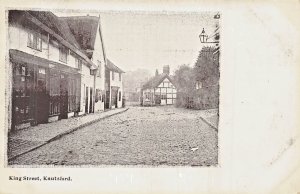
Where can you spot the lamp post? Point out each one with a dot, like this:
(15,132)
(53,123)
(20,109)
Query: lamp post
(216,36)
(204,37)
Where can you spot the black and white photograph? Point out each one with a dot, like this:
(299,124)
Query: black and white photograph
(152,96)
(112,88)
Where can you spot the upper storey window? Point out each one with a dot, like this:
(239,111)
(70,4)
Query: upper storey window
(63,54)
(34,41)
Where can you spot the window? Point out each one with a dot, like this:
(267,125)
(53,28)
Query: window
(120,76)
(119,96)
(99,69)
(198,85)
(63,54)
(34,41)
(113,75)
(78,63)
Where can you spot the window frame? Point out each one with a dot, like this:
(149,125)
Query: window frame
(34,40)
(99,69)
(63,48)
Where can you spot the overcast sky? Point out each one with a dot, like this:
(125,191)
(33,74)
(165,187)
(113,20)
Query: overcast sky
(149,40)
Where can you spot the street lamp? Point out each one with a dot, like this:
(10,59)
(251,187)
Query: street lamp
(203,36)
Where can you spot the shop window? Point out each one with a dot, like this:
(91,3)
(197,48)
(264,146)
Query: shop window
(63,54)
(34,41)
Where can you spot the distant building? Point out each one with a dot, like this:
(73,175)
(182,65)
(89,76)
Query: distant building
(159,90)
(113,85)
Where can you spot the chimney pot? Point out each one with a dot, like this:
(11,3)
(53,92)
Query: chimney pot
(166,69)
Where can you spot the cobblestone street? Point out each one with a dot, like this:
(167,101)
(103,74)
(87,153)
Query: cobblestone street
(141,136)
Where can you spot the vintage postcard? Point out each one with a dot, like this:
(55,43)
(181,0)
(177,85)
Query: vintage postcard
(148,98)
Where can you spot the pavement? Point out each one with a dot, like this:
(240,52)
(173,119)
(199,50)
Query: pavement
(26,140)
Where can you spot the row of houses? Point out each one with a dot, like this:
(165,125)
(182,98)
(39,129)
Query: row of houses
(57,68)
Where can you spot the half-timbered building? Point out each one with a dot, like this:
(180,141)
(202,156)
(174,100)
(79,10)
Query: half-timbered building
(159,90)
(53,72)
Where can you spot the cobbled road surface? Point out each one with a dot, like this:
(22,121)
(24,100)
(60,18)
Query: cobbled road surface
(155,136)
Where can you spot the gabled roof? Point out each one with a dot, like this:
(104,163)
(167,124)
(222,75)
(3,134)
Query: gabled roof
(156,80)
(55,23)
(112,67)
(84,29)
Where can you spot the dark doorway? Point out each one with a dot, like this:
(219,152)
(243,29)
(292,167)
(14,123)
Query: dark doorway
(114,97)
(86,99)
(107,100)
(91,101)
(42,99)
(63,96)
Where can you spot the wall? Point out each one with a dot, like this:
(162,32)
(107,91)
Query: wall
(117,83)
(87,80)
(18,38)
(98,57)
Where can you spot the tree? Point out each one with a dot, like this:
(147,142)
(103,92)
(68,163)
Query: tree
(184,78)
(207,66)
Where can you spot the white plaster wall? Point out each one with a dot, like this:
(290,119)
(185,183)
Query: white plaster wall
(100,81)
(118,83)
(18,38)
(87,80)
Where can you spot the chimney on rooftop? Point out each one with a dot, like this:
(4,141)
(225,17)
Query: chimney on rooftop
(166,69)
(156,72)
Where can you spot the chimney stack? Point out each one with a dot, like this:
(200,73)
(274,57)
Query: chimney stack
(156,72)
(166,69)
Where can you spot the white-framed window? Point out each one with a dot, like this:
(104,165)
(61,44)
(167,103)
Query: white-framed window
(78,63)
(34,41)
(63,54)
(198,85)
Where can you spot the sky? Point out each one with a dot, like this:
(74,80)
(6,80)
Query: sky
(150,40)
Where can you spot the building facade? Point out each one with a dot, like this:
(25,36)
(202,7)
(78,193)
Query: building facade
(159,90)
(53,71)
(113,85)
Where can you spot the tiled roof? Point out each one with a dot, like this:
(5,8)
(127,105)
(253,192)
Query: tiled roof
(156,80)
(113,67)
(84,29)
(58,25)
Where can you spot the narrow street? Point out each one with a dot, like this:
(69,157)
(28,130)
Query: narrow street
(140,136)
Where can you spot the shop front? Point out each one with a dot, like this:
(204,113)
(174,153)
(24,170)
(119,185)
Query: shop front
(42,89)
